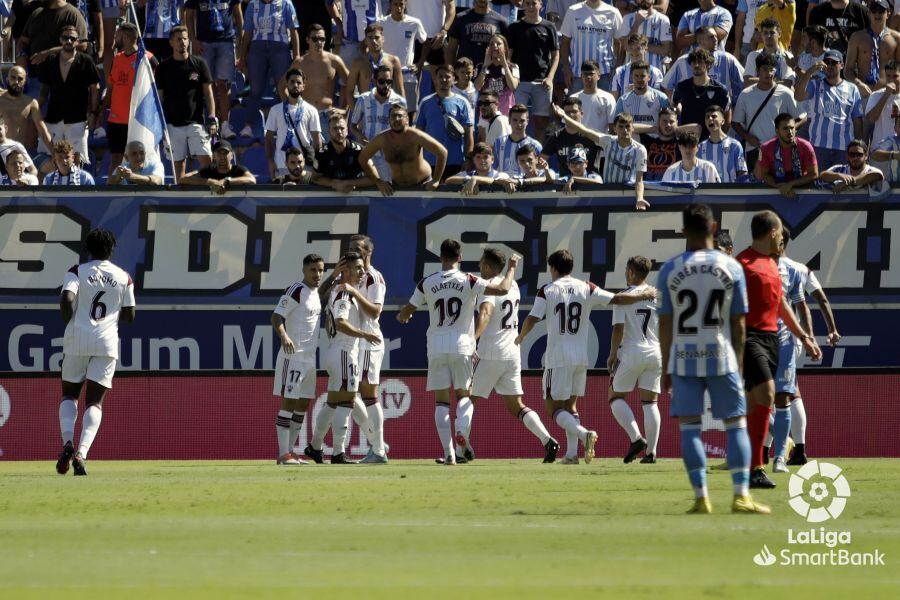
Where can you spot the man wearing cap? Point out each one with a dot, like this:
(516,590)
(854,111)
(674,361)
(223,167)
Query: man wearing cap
(578,173)
(870,50)
(222,173)
(835,109)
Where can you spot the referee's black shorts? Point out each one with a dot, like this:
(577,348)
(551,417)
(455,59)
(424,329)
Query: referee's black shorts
(760,357)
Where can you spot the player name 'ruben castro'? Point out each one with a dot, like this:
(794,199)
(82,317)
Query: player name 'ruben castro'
(714,270)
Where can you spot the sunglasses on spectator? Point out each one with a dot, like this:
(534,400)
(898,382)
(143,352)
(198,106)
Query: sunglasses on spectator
(383,81)
(856,154)
(69,38)
(832,62)
(318,39)
(485,102)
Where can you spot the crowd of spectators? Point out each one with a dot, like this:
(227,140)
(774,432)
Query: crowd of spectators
(393,94)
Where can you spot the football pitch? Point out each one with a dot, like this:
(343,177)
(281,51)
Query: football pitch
(412,529)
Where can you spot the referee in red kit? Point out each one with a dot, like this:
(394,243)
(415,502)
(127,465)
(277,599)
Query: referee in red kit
(767,304)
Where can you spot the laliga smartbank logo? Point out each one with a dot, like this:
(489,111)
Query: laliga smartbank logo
(818,493)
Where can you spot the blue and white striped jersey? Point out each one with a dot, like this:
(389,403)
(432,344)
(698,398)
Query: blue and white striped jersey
(792,281)
(622,78)
(162,16)
(717,16)
(831,110)
(890,144)
(727,156)
(510,12)
(658,30)
(702,290)
(505,149)
(270,22)
(643,107)
(622,164)
(371,115)
(726,69)
(592,33)
(357,15)
(703,172)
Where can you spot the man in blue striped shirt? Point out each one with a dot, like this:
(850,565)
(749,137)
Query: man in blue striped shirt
(637,53)
(351,18)
(505,147)
(588,33)
(707,15)
(887,151)
(725,69)
(834,109)
(654,26)
(371,114)
(642,101)
(161,16)
(725,152)
(690,169)
(625,159)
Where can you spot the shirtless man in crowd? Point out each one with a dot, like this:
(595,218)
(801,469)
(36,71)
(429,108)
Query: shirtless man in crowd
(21,112)
(362,71)
(323,71)
(859,68)
(402,146)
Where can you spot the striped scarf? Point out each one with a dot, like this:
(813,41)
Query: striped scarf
(73,178)
(779,163)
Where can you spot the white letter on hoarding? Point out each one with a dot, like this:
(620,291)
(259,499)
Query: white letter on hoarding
(171,250)
(291,233)
(497,228)
(566,231)
(56,258)
(634,236)
(233,341)
(174,348)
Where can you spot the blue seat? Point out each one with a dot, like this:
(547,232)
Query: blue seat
(254,159)
(240,117)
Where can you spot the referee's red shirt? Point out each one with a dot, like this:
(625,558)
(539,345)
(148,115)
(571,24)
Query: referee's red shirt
(763,290)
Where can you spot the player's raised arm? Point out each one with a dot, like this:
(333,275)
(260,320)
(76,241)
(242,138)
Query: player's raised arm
(372,310)
(503,287)
(625,298)
(324,288)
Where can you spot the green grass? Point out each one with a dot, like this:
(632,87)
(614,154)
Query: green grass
(416,530)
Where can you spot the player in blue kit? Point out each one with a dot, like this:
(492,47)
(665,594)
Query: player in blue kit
(701,332)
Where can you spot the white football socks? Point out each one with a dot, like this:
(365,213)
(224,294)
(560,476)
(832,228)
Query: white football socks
(376,426)
(622,412)
(90,423)
(322,425)
(464,412)
(574,431)
(339,426)
(361,418)
(652,423)
(532,421)
(798,421)
(442,423)
(68,414)
(296,425)
(283,431)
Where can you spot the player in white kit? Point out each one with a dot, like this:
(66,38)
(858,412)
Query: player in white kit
(499,364)
(567,303)
(341,360)
(95,296)
(451,297)
(296,321)
(634,360)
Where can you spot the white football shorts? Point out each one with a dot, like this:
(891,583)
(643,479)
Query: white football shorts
(343,369)
(637,367)
(446,371)
(99,369)
(295,376)
(562,383)
(371,365)
(505,376)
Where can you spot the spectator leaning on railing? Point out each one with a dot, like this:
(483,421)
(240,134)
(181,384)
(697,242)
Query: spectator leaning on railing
(16,173)
(222,173)
(21,111)
(296,171)
(690,169)
(337,163)
(483,173)
(136,170)
(887,152)
(7,146)
(856,173)
(787,162)
(67,172)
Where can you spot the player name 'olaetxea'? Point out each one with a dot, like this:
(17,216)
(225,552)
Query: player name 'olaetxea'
(702,269)
(447,284)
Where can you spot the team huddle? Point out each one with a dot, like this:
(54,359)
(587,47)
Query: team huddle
(724,329)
